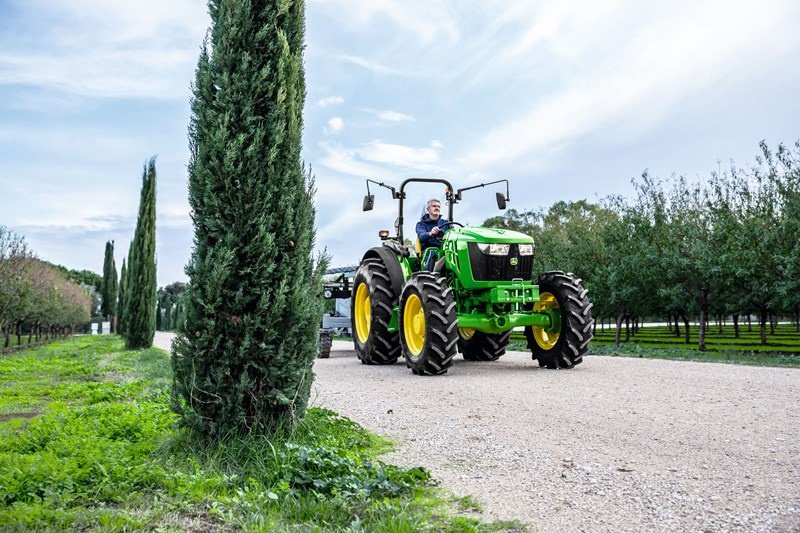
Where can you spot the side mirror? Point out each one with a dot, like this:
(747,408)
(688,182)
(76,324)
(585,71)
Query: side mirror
(501,200)
(369,202)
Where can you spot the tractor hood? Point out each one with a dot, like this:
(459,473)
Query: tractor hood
(481,234)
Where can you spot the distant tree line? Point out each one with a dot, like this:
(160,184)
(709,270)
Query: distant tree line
(170,301)
(725,246)
(36,297)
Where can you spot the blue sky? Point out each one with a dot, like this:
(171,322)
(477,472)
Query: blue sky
(566,99)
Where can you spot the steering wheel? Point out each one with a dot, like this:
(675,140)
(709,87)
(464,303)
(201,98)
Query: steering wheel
(451,223)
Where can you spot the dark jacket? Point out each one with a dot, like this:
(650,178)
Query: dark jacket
(424,228)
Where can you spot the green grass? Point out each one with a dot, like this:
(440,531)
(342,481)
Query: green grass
(87,440)
(656,342)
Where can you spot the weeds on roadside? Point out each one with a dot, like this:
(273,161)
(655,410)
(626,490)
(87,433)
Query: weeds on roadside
(103,452)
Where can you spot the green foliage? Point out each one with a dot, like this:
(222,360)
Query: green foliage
(140,297)
(117,462)
(109,290)
(123,287)
(724,246)
(82,277)
(36,295)
(243,356)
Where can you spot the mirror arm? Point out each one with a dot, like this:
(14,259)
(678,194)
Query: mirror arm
(459,191)
(395,194)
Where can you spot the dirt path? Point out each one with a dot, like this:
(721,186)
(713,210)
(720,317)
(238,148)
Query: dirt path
(616,444)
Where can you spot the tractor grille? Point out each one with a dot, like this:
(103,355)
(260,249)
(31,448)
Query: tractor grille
(499,267)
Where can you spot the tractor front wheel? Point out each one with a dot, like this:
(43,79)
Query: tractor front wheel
(428,332)
(325,343)
(371,307)
(480,346)
(564,345)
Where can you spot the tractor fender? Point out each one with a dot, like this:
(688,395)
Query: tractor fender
(392,264)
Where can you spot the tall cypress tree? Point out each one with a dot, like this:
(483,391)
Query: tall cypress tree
(140,297)
(248,338)
(109,291)
(121,297)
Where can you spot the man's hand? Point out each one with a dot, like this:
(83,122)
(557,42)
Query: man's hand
(435,231)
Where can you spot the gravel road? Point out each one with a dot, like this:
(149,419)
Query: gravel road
(616,444)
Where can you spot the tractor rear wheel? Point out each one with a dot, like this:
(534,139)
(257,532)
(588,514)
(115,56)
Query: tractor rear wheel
(428,325)
(480,346)
(565,345)
(371,307)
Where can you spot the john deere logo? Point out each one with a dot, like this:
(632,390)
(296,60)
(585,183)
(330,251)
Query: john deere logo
(514,261)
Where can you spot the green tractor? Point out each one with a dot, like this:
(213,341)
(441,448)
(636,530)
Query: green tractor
(480,289)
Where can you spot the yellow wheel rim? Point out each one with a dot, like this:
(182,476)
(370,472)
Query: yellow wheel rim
(466,333)
(544,338)
(414,324)
(362,312)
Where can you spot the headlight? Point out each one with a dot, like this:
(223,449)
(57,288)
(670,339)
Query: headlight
(494,249)
(525,249)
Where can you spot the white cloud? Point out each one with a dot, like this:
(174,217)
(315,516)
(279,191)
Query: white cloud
(335,125)
(399,155)
(394,116)
(437,144)
(372,66)
(670,55)
(110,49)
(330,100)
(378,159)
(428,22)
(347,161)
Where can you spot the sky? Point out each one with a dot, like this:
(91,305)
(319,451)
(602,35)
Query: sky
(568,100)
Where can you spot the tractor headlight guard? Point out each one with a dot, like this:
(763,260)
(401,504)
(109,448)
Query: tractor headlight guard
(525,249)
(494,249)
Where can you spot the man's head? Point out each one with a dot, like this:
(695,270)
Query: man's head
(434,208)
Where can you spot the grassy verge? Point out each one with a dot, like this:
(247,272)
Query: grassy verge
(87,440)
(782,348)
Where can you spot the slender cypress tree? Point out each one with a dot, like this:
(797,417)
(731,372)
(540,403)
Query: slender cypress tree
(123,274)
(140,297)
(242,359)
(109,290)
(159,317)
(166,322)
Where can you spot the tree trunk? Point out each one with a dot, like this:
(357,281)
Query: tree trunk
(686,326)
(594,328)
(763,328)
(719,323)
(19,333)
(772,320)
(736,325)
(627,328)
(7,335)
(677,327)
(701,335)
(619,329)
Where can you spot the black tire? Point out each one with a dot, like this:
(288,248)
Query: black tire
(431,350)
(379,345)
(325,343)
(484,346)
(572,342)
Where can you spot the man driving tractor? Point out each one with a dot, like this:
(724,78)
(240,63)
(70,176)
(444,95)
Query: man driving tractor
(430,230)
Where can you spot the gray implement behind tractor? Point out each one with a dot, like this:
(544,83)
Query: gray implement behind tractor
(337,287)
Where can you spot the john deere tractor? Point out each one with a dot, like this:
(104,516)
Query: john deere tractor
(480,289)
